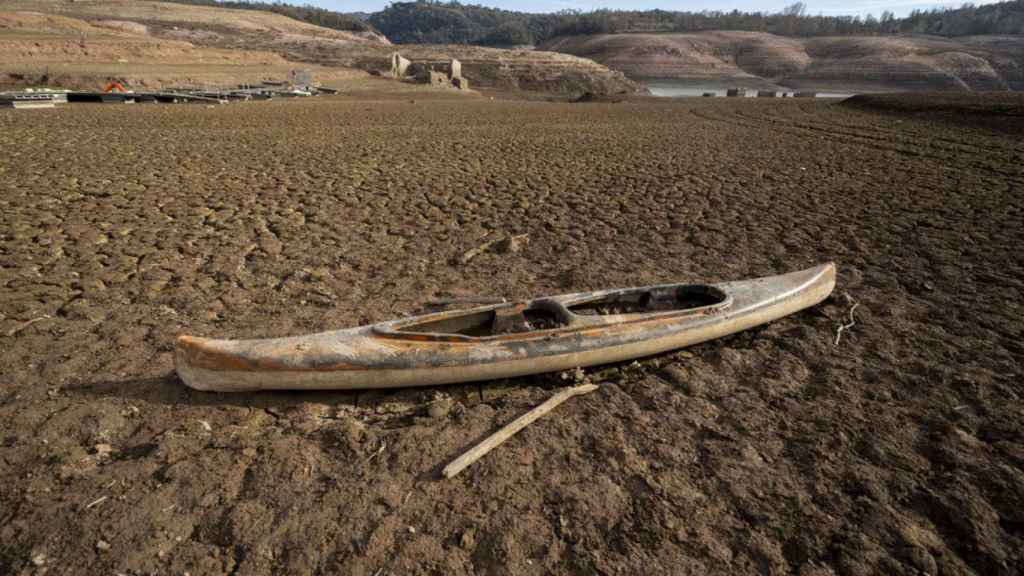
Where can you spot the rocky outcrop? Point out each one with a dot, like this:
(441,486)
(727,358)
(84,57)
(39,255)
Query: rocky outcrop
(886,63)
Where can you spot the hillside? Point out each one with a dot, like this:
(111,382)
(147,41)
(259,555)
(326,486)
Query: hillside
(436,22)
(855,62)
(209,26)
(88,42)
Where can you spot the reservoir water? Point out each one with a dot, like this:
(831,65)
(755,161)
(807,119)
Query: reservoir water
(678,88)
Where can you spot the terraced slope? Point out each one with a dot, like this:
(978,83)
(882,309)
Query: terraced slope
(45,35)
(88,57)
(204,25)
(887,63)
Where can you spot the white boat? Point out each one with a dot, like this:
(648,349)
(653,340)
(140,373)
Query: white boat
(502,340)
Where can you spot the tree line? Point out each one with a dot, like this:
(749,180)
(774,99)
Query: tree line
(310,14)
(437,22)
(451,22)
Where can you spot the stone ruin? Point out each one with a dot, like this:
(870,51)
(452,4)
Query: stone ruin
(447,75)
(399,65)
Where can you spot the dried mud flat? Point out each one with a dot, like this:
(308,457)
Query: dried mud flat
(899,451)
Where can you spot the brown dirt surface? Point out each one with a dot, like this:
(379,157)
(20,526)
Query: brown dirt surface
(1003,111)
(774,451)
(828,63)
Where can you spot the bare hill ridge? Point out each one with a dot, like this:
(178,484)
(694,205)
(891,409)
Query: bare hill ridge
(241,28)
(878,62)
(51,49)
(41,38)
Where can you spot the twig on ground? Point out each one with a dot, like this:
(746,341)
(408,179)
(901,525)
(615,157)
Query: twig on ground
(96,502)
(509,430)
(851,323)
(470,254)
(503,244)
(24,325)
(383,445)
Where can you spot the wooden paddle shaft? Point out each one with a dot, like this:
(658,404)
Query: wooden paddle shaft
(509,430)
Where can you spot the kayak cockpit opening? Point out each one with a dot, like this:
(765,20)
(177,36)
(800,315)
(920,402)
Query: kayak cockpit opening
(549,314)
(470,324)
(513,319)
(668,299)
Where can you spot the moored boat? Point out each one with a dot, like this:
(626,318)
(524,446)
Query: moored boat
(502,340)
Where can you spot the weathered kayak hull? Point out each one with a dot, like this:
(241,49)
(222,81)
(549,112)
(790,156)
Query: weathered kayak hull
(392,354)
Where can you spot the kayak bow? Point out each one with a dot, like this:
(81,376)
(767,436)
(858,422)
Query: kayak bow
(503,340)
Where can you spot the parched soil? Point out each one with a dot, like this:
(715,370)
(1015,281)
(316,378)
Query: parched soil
(898,450)
(1002,111)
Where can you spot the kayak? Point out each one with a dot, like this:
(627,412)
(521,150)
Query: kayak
(502,340)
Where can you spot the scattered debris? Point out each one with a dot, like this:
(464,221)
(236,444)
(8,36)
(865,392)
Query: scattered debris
(509,430)
(115,93)
(103,546)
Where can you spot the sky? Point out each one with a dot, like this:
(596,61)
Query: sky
(827,7)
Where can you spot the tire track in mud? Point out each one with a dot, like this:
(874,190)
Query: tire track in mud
(868,141)
(911,133)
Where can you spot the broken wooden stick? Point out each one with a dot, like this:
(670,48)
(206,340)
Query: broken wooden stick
(510,430)
(470,254)
(24,325)
(503,244)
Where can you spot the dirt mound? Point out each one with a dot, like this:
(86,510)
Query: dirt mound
(880,63)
